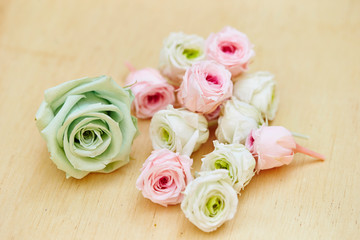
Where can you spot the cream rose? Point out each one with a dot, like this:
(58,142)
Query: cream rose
(210,200)
(87,125)
(178,130)
(236,121)
(259,89)
(179,52)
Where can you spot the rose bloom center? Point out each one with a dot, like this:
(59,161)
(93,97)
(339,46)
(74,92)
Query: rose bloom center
(164,182)
(228,48)
(153,98)
(212,79)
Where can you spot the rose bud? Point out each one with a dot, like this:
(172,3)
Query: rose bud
(234,158)
(259,90)
(236,121)
(274,146)
(179,52)
(205,86)
(178,130)
(210,200)
(151,90)
(164,176)
(230,48)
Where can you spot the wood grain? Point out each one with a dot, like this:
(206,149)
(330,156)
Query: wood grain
(311,46)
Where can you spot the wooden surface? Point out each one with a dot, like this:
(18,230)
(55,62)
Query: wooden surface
(313,48)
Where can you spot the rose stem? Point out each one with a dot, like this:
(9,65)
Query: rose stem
(299,135)
(309,152)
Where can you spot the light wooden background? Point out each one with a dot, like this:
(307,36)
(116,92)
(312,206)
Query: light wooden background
(313,48)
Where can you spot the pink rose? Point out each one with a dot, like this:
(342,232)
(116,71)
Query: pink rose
(164,176)
(151,90)
(230,48)
(274,146)
(205,86)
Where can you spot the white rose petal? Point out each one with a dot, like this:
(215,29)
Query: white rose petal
(233,157)
(236,121)
(210,200)
(178,130)
(179,52)
(259,90)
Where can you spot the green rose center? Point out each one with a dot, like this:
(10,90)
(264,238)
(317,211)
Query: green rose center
(164,135)
(224,164)
(214,205)
(191,53)
(221,164)
(89,138)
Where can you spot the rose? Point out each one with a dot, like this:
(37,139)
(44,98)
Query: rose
(234,158)
(164,176)
(259,90)
(205,86)
(236,121)
(230,48)
(178,130)
(151,90)
(274,146)
(87,125)
(179,52)
(210,200)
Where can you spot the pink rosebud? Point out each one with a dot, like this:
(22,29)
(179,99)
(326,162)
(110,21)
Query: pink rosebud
(230,48)
(274,146)
(164,176)
(205,86)
(151,90)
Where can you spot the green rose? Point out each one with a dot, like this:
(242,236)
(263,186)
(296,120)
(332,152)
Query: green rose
(87,125)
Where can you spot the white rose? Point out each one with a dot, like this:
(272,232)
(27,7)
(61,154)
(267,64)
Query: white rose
(259,90)
(236,121)
(210,200)
(178,130)
(179,52)
(233,157)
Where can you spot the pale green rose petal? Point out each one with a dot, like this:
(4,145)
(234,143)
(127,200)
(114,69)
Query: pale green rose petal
(49,134)
(43,116)
(86,111)
(115,165)
(101,138)
(102,85)
(99,162)
(126,125)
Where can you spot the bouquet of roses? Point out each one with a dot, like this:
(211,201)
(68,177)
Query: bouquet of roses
(202,74)
(88,126)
